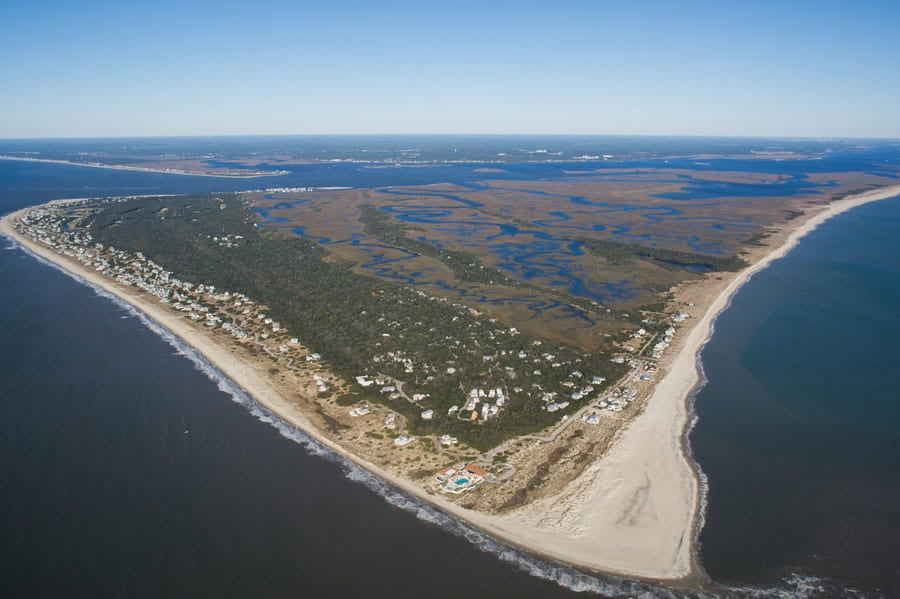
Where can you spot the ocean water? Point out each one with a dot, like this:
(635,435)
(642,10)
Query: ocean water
(129,468)
(799,424)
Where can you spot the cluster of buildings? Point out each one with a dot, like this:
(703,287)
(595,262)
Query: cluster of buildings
(663,343)
(533,369)
(491,401)
(618,399)
(283,190)
(229,312)
(228,241)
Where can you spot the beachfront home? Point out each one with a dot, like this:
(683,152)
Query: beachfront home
(444,474)
(476,470)
(591,418)
(458,479)
(360,411)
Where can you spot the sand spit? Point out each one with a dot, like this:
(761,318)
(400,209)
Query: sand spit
(634,512)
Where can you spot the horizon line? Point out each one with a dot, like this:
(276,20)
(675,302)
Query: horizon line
(622,135)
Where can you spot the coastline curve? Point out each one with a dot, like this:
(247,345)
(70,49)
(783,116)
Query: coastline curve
(605,520)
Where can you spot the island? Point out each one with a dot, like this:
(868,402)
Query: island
(519,354)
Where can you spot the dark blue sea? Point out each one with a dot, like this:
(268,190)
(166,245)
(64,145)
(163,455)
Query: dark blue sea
(130,468)
(799,429)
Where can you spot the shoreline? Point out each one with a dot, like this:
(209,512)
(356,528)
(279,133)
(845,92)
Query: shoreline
(634,512)
(142,169)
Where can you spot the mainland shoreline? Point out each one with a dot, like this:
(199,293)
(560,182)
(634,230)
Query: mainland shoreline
(635,512)
(144,169)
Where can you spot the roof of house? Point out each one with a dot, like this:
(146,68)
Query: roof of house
(474,468)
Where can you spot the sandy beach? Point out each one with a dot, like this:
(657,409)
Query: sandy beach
(634,512)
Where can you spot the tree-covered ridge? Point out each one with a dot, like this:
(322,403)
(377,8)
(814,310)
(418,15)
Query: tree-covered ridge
(617,251)
(439,351)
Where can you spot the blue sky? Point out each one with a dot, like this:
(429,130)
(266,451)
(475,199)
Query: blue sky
(790,68)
